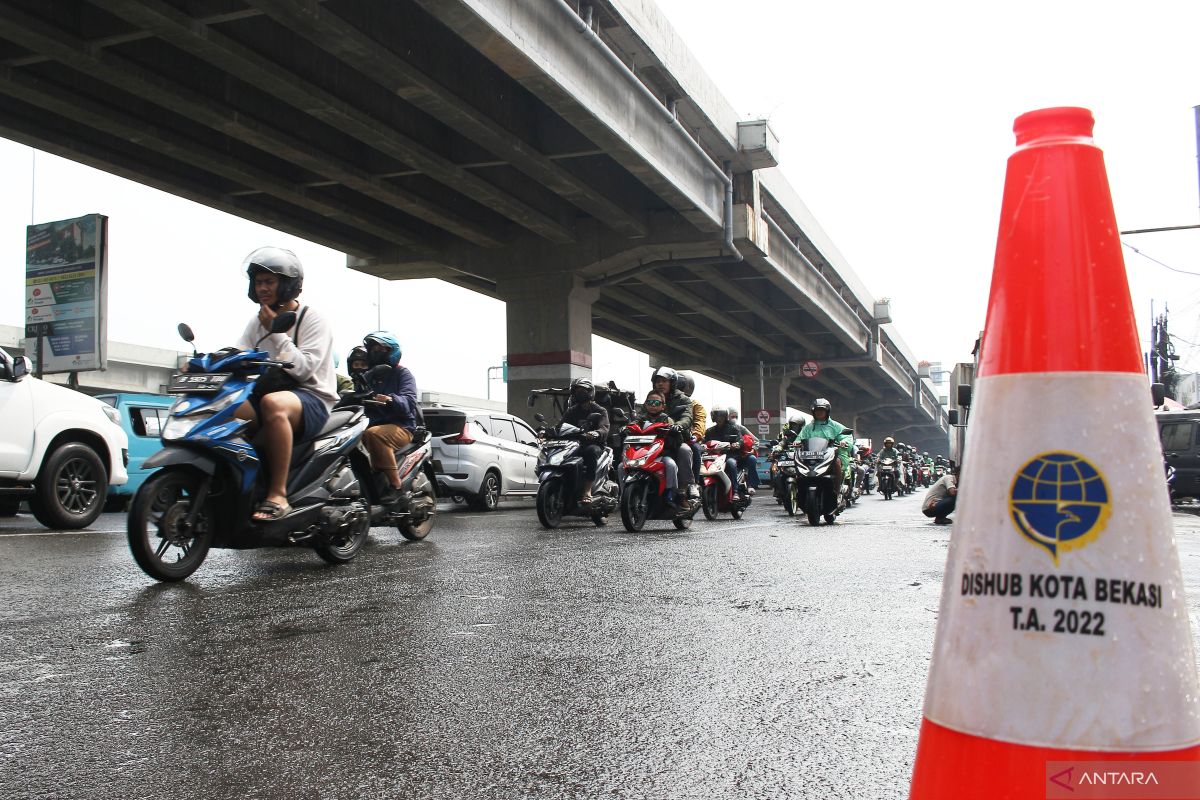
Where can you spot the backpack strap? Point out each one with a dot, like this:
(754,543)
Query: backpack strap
(299,322)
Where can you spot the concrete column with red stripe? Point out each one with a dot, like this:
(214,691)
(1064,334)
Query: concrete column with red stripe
(549,327)
(1063,633)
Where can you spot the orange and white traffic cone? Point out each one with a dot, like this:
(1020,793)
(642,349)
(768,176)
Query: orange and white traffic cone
(1063,638)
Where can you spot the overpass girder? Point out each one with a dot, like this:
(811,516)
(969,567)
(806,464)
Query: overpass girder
(537,44)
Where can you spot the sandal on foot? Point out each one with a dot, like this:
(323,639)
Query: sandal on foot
(269,511)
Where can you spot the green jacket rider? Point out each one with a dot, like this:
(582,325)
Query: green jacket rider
(825,427)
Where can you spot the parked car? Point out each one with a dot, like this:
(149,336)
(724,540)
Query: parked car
(142,418)
(1181,447)
(59,449)
(481,456)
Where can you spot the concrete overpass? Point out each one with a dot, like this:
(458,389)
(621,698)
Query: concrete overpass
(571,160)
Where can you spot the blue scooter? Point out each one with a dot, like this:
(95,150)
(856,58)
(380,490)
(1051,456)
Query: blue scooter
(210,477)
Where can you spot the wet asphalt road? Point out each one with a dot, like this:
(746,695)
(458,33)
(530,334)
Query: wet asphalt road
(752,659)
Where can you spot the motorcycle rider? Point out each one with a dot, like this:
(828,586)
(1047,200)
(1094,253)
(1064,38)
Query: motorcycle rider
(589,416)
(296,405)
(356,364)
(823,426)
(699,418)
(940,499)
(394,420)
(654,410)
(749,458)
(735,459)
(678,407)
(791,432)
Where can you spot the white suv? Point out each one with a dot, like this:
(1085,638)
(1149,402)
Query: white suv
(481,456)
(58,448)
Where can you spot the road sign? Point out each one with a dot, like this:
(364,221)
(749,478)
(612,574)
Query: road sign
(764,416)
(764,430)
(810,369)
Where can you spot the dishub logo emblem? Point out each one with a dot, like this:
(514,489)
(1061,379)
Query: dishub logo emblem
(1059,501)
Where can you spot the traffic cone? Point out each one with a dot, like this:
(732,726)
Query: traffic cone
(1063,635)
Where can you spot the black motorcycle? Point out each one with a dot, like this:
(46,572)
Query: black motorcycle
(887,477)
(787,475)
(560,475)
(818,480)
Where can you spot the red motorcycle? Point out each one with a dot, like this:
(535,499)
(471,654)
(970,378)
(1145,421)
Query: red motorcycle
(644,490)
(718,493)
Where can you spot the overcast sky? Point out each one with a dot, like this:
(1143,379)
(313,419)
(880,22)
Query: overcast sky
(895,123)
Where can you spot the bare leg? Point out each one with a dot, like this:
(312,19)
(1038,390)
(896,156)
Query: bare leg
(280,417)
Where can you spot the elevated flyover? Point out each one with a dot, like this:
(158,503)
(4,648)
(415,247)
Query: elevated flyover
(571,160)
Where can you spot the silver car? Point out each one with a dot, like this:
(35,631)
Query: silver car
(481,456)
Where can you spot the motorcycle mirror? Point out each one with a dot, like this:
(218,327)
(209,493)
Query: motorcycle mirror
(185,332)
(539,416)
(1158,392)
(283,322)
(618,415)
(964,395)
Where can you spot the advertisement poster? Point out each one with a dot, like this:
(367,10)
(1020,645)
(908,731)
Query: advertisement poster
(66,293)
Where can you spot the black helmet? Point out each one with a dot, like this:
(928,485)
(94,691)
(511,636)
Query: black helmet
(821,402)
(720,411)
(686,384)
(280,262)
(358,353)
(582,387)
(668,373)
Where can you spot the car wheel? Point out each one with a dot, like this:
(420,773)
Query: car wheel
(489,494)
(71,488)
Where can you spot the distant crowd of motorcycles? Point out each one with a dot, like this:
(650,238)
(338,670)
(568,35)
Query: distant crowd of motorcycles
(638,462)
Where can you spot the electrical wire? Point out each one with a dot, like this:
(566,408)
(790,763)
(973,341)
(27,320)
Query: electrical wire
(1161,264)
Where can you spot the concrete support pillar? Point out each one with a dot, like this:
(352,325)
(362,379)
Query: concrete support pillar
(549,324)
(772,397)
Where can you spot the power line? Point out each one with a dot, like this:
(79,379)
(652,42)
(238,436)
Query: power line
(1156,261)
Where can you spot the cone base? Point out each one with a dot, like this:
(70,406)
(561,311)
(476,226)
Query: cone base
(956,765)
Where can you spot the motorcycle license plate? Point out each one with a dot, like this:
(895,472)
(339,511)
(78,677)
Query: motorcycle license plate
(184,382)
(639,439)
(787,463)
(813,454)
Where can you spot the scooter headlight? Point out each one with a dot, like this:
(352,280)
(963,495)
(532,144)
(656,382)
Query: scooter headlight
(215,408)
(179,427)
(636,462)
(821,470)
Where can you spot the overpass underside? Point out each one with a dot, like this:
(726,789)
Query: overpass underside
(537,151)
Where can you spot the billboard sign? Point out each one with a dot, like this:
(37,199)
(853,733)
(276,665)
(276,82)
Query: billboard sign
(66,293)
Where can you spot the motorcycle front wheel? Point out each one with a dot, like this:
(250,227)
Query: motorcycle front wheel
(550,503)
(710,507)
(163,543)
(635,506)
(791,502)
(813,509)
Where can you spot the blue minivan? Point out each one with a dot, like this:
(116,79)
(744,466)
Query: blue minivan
(142,417)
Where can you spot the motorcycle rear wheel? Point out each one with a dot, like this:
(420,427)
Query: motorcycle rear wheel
(341,551)
(635,506)
(157,525)
(416,531)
